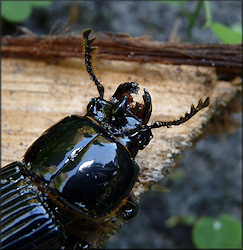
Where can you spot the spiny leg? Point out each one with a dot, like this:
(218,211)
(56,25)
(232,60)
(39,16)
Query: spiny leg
(185,118)
(88,63)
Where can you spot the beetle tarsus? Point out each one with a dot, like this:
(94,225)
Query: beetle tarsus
(184,118)
(130,209)
(88,57)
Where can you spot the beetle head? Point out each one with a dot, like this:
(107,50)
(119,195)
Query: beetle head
(125,119)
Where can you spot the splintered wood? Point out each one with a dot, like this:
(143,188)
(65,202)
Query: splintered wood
(37,93)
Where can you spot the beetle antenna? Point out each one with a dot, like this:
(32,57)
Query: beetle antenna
(88,63)
(185,118)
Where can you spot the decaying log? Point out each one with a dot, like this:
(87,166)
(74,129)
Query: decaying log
(44,81)
(225,58)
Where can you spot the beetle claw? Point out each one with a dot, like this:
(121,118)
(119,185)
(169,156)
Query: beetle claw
(147,106)
(125,89)
(86,33)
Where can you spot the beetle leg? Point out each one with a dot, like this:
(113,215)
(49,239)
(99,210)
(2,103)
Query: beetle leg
(130,209)
(88,63)
(184,118)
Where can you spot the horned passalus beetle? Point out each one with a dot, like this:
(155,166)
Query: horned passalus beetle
(82,167)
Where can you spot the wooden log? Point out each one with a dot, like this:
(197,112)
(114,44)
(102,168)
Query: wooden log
(39,89)
(226,58)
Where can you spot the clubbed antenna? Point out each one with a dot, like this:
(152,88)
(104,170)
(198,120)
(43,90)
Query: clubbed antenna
(88,63)
(185,118)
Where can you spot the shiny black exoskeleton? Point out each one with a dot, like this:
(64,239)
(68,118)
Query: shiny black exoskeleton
(82,167)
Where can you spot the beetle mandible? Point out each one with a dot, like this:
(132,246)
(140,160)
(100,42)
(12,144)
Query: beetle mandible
(82,167)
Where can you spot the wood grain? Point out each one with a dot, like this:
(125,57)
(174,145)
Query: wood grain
(226,58)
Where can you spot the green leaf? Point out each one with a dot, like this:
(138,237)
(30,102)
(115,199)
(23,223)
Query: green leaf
(226,34)
(16,11)
(19,11)
(224,232)
(237,27)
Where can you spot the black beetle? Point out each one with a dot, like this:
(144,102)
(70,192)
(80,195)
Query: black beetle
(82,167)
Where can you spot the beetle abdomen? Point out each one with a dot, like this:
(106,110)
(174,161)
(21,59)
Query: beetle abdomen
(26,220)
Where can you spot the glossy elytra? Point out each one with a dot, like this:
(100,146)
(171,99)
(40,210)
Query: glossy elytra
(82,167)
